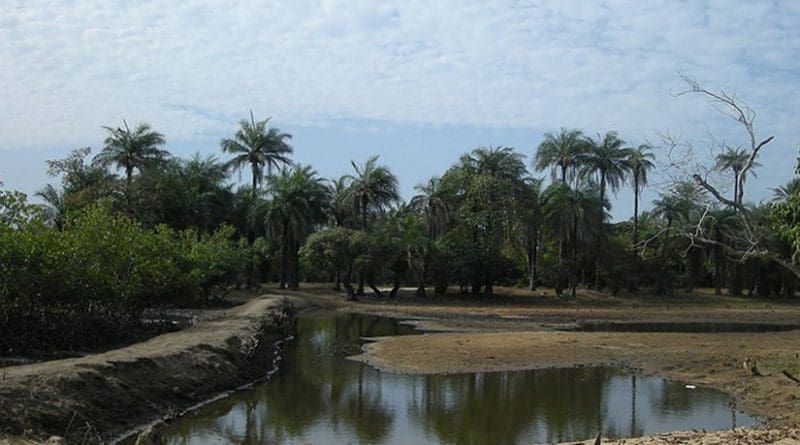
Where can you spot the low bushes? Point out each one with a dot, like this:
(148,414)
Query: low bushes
(86,286)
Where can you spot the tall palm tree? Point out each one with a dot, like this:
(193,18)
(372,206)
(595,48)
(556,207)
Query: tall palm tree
(640,162)
(54,207)
(735,159)
(530,225)
(433,205)
(560,151)
(258,146)
(607,157)
(132,149)
(502,163)
(296,201)
(372,187)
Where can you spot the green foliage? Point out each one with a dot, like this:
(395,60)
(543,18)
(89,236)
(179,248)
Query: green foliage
(215,262)
(108,267)
(258,146)
(15,209)
(337,250)
(132,149)
(785,217)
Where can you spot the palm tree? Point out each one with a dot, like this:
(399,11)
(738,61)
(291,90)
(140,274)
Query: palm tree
(560,151)
(606,157)
(735,159)
(501,163)
(258,146)
(372,187)
(677,205)
(573,213)
(530,225)
(339,208)
(431,202)
(208,195)
(640,162)
(54,207)
(718,223)
(132,149)
(297,201)
(783,192)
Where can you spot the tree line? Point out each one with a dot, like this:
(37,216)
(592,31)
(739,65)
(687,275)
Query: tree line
(488,220)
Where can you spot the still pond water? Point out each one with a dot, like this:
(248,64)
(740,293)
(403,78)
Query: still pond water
(320,397)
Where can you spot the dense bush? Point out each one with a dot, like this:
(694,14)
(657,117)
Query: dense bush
(87,285)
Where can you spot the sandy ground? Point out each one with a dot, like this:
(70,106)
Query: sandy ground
(90,399)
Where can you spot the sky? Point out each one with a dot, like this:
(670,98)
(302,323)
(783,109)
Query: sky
(416,82)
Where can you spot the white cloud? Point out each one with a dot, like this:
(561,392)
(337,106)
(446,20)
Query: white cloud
(194,67)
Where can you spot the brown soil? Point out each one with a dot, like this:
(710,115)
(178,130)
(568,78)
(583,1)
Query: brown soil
(90,399)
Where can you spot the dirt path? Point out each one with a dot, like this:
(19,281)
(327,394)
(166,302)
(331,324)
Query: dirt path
(88,399)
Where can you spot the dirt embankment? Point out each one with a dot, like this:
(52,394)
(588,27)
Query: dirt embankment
(93,398)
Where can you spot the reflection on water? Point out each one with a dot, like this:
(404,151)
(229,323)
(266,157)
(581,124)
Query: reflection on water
(319,397)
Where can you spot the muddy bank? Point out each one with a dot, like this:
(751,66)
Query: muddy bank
(94,398)
(738,436)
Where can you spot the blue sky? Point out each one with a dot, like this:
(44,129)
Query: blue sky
(416,82)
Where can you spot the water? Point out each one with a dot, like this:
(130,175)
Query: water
(319,397)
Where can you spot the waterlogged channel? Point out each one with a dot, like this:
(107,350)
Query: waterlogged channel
(320,397)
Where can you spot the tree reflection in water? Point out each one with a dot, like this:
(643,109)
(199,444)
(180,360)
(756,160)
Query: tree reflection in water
(320,397)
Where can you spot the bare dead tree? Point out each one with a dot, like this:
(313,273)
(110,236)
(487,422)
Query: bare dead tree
(752,238)
(737,110)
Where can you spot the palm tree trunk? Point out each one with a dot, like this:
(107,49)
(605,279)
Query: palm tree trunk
(285,256)
(717,264)
(600,230)
(564,174)
(346,282)
(395,285)
(422,274)
(128,177)
(284,266)
(533,247)
(574,261)
(735,190)
(364,202)
(294,284)
(128,182)
(254,170)
(535,268)
(635,210)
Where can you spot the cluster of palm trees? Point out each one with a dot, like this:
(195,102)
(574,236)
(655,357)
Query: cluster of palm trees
(483,217)
(588,165)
